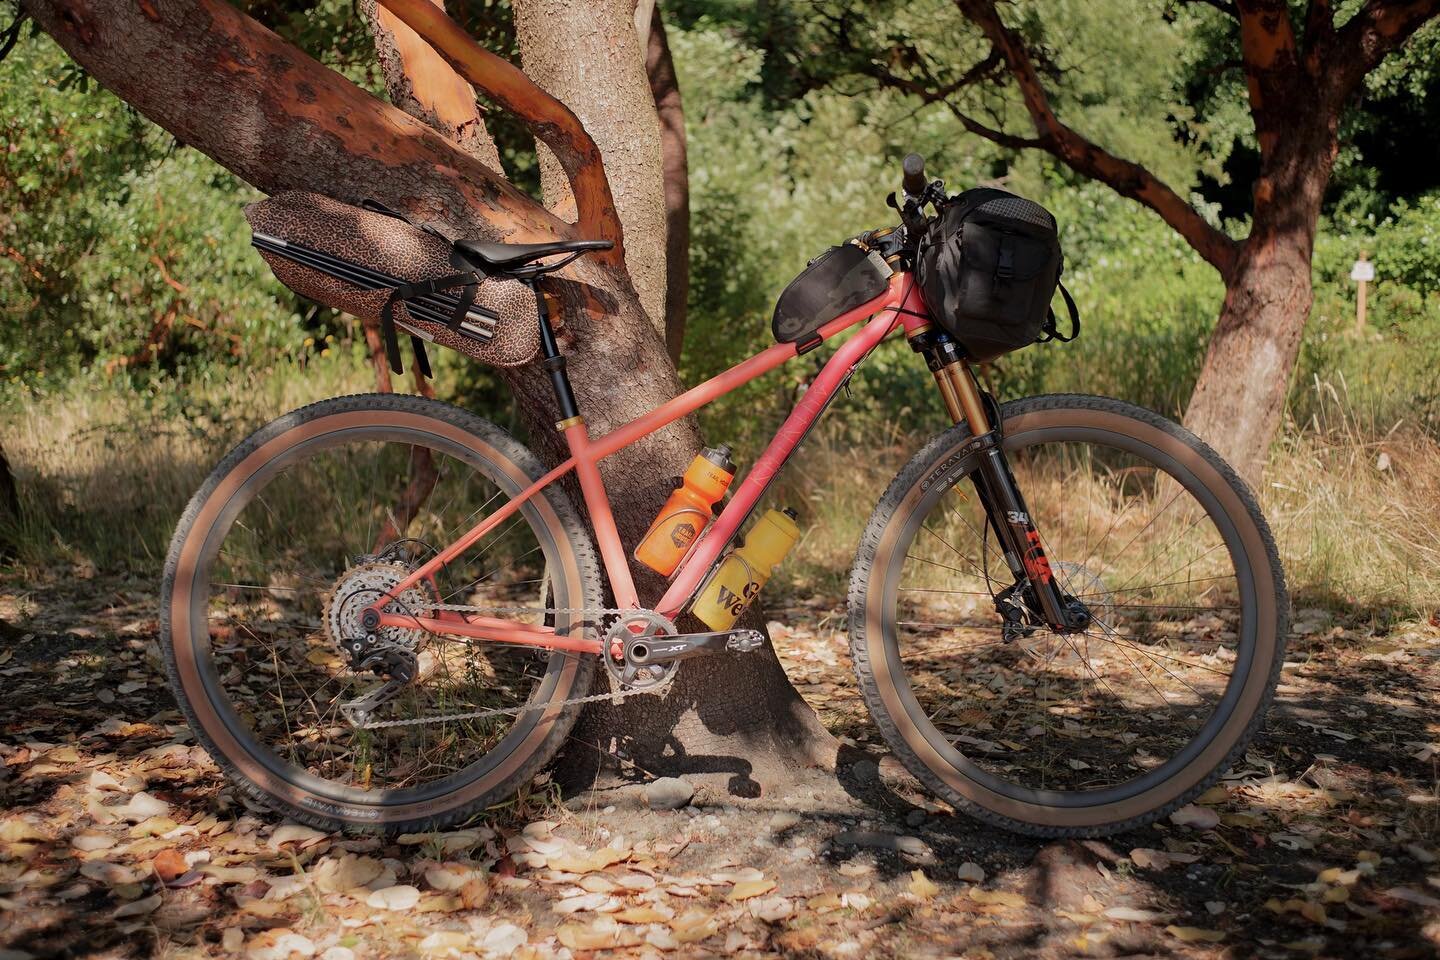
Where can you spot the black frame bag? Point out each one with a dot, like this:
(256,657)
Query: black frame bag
(988,265)
(838,280)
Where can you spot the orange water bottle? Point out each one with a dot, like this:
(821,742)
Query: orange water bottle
(687,511)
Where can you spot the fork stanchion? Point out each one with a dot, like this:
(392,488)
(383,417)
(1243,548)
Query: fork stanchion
(962,381)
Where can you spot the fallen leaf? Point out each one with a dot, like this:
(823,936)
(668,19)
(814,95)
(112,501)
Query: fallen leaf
(998,897)
(694,925)
(475,894)
(503,940)
(142,806)
(346,873)
(399,897)
(138,908)
(746,889)
(279,944)
(641,915)
(294,833)
(444,943)
(586,901)
(18,830)
(972,872)
(587,861)
(1198,818)
(90,841)
(1135,915)
(1192,934)
(603,934)
(169,864)
(1148,859)
(111,874)
(922,886)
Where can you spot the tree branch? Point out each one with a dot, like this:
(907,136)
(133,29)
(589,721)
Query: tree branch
(549,119)
(1125,177)
(1380,27)
(287,121)
(422,84)
(1319,32)
(1272,75)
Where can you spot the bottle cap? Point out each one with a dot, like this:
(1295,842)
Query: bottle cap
(790,512)
(720,456)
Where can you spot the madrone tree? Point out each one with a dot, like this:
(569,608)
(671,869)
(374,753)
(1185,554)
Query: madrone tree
(224,84)
(1303,64)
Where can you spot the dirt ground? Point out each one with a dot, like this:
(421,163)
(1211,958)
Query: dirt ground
(119,838)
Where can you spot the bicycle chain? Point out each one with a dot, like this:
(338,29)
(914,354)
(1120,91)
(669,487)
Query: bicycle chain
(613,696)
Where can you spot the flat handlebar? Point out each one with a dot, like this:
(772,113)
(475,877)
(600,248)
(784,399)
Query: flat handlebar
(914,181)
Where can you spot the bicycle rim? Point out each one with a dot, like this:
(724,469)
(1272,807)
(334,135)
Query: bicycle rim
(295,542)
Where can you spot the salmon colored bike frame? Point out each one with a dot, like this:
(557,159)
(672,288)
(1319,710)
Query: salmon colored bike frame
(899,306)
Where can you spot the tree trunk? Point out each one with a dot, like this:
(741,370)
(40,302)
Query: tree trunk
(1240,397)
(588,57)
(9,506)
(666,91)
(279,120)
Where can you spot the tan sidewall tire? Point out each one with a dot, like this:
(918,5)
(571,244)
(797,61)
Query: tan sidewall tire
(570,555)
(887,692)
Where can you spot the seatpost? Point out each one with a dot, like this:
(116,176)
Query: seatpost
(553,361)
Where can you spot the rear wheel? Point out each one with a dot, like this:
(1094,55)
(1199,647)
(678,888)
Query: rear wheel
(1087,732)
(303,526)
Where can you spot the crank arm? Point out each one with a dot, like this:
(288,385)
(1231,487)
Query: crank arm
(686,645)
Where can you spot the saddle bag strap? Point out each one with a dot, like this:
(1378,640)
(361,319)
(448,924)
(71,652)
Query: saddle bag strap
(408,291)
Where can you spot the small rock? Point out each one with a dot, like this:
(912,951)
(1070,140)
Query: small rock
(971,871)
(912,848)
(668,793)
(915,818)
(784,820)
(865,771)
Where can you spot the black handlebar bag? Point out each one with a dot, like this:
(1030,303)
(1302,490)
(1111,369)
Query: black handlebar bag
(988,266)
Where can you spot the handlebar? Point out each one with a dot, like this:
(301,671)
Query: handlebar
(914,181)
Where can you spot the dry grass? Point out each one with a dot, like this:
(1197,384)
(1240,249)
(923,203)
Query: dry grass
(1356,511)
(104,474)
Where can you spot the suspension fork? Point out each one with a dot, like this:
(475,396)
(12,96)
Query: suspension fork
(995,483)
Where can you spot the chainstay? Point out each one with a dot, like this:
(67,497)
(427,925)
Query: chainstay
(612,696)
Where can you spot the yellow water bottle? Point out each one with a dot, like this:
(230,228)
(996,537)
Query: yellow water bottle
(745,571)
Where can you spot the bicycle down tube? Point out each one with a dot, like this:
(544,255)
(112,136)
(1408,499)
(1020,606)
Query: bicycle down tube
(900,305)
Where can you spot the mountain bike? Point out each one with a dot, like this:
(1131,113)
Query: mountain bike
(1066,613)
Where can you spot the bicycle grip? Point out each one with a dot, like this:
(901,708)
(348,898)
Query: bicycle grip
(914,167)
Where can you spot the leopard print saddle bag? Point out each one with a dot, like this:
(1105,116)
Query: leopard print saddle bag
(373,263)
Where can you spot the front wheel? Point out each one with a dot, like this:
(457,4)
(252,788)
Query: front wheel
(1083,732)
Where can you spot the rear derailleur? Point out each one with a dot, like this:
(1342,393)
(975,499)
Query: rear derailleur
(397,664)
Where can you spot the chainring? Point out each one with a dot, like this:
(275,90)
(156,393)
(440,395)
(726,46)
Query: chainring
(623,632)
